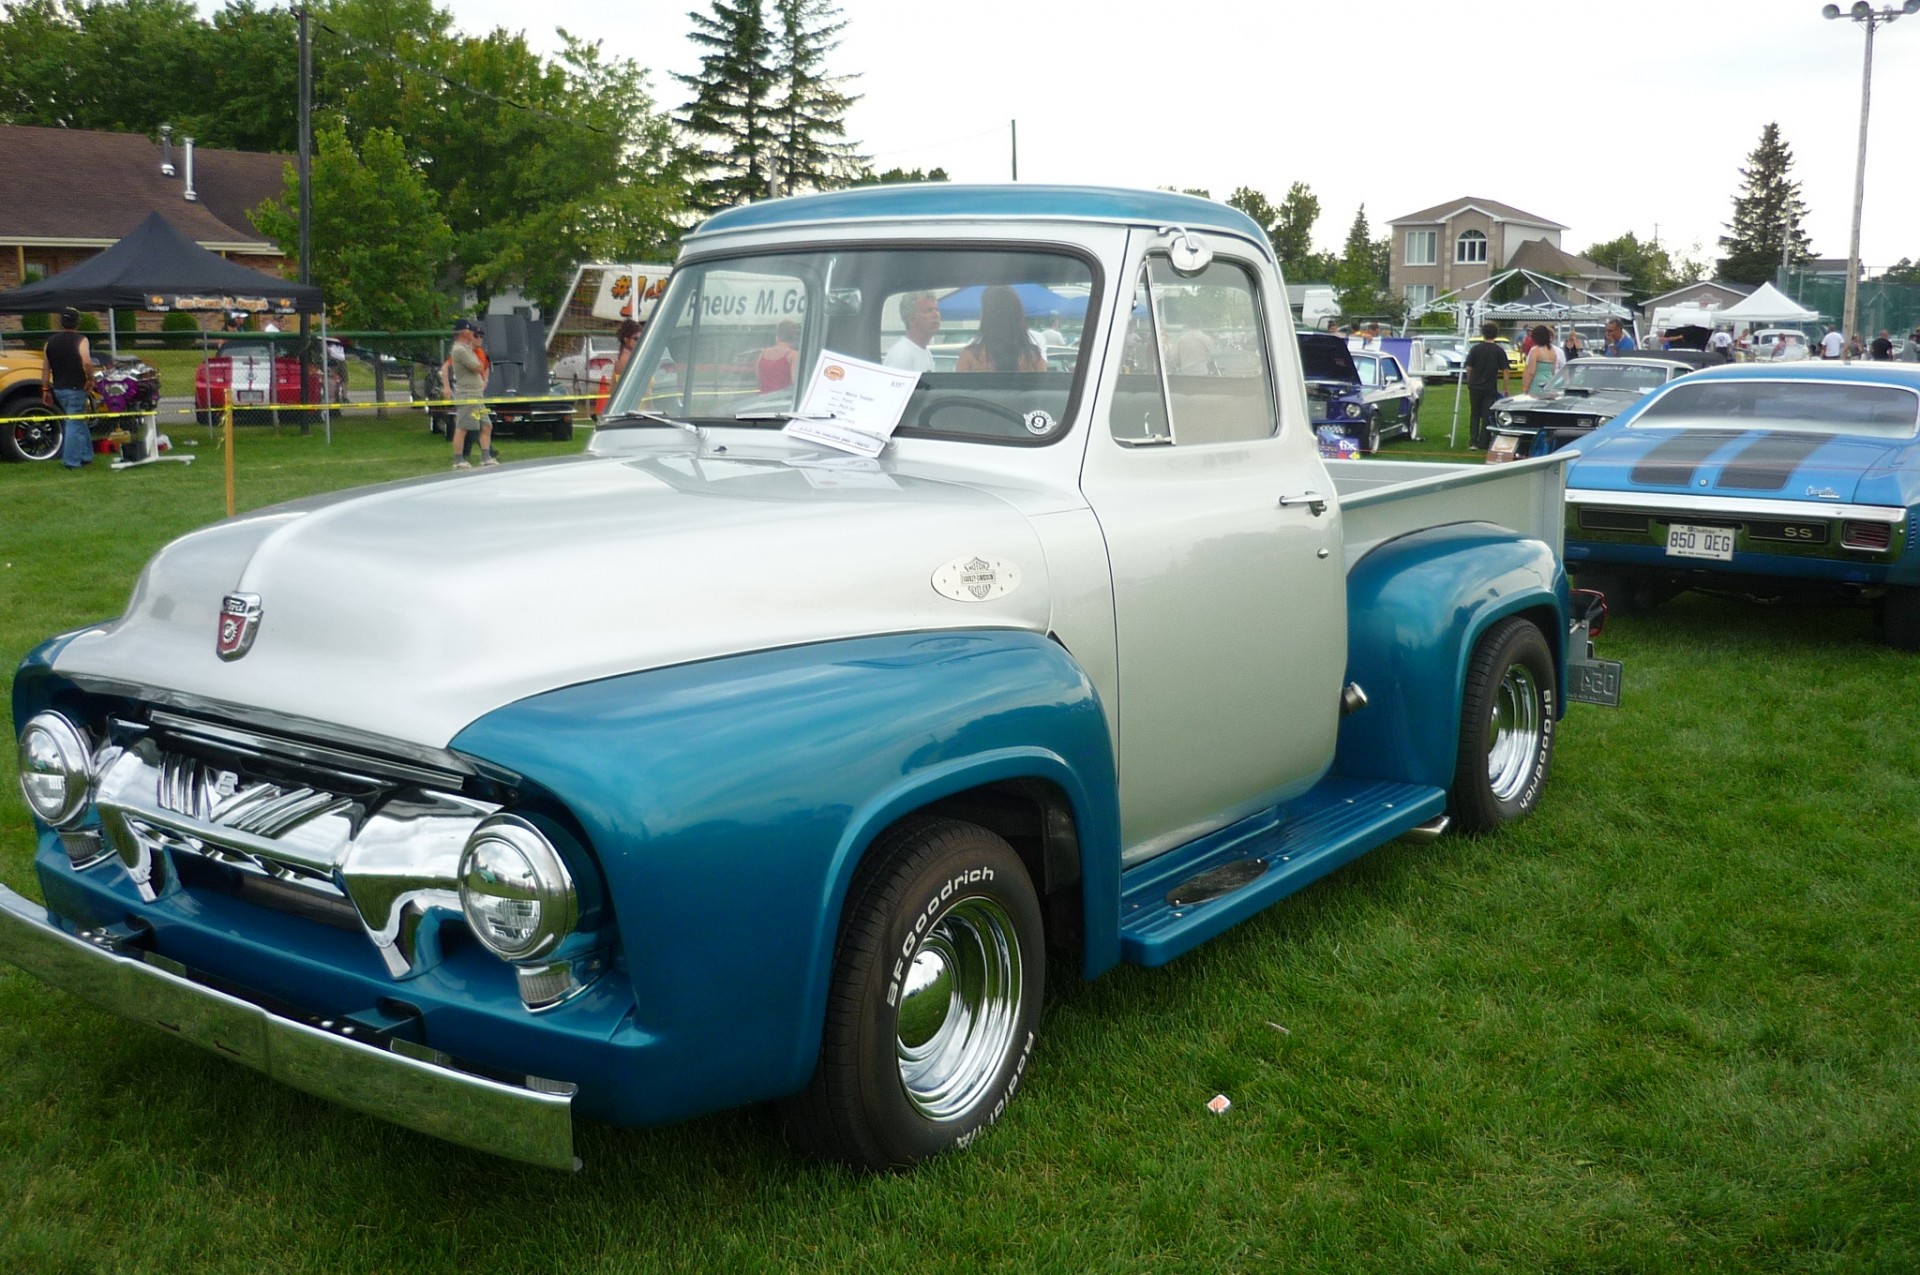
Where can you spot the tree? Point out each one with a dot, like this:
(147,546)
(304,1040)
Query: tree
(380,242)
(1360,278)
(733,103)
(813,107)
(1766,215)
(895,176)
(1901,271)
(1649,268)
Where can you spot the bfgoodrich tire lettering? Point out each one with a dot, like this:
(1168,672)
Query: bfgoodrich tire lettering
(1506,728)
(937,982)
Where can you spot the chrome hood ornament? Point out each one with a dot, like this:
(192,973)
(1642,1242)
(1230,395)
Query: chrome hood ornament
(239,622)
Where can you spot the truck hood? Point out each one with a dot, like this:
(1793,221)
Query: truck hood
(408,611)
(1727,462)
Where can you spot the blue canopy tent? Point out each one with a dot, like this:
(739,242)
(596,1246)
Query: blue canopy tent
(1037,299)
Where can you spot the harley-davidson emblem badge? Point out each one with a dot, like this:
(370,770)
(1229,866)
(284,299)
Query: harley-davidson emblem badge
(239,622)
(975,579)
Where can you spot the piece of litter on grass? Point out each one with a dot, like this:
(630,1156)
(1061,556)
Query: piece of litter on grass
(1277,1027)
(1219,1103)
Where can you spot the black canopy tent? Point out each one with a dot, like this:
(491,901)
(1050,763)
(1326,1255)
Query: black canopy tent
(155,267)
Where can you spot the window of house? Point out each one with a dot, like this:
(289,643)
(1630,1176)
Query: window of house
(1470,248)
(1421,250)
(1418,294)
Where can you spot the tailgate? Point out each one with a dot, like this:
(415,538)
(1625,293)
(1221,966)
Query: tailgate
(1383,500)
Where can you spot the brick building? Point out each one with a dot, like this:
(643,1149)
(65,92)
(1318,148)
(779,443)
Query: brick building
(76,191)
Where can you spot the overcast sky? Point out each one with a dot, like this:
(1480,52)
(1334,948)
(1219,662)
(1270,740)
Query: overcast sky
(1608,117)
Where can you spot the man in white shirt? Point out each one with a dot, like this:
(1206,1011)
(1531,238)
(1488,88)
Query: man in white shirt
(920,312)
(1831,344)
(1721,343)
(1050,337)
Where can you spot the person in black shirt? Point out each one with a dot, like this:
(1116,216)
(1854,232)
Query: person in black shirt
(1487,372)
(1883,347)
(66,370)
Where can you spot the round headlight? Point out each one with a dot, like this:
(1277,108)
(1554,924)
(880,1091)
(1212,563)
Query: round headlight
(1353,411)
(1505,418)
(515,889)
(56,768)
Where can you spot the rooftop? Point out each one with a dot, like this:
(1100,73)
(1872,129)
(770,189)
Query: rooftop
(1492,207)
(86,188)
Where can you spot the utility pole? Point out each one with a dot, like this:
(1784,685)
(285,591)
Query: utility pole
(1015,126)
(306,202)
(1870,18)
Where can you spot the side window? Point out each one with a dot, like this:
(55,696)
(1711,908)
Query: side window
(1393,374)
(1195,368)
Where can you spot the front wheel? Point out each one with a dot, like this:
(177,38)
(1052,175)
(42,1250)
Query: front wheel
(937,982)
(1506,728)
(37,432)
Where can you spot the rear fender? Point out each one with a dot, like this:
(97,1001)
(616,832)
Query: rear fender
(1416,606)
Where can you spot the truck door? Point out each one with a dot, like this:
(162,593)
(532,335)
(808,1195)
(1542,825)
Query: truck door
(1224,542)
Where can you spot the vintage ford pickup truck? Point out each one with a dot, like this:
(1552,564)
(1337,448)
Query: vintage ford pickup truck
(796,775)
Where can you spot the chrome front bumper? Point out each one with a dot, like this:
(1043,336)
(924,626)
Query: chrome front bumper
(507,1120)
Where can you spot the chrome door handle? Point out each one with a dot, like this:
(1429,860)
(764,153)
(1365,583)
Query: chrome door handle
(1316,503)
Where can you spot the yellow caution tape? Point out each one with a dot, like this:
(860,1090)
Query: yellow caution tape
(341,406)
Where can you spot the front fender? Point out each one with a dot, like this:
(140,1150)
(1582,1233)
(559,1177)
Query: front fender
(1415,608)
(729,803)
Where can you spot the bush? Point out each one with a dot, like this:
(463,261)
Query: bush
(89,324)
(181,331)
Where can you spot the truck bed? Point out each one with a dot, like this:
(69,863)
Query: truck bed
(1381,500)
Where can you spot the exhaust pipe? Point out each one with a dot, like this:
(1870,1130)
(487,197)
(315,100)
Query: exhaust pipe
(188,194)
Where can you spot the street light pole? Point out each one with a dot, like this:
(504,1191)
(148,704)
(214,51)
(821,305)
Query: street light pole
(1870,17)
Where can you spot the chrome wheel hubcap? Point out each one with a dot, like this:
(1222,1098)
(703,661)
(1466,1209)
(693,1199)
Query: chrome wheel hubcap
(959,1008)
(1513,744)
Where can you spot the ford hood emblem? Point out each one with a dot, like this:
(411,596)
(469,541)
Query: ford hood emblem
(239,622)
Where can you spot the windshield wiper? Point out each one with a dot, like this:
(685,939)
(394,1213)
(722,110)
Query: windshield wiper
(656,418)
(785,416)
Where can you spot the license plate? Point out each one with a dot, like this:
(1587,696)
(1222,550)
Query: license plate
(1592,681)
(1505,447)
(1685,540)
(249,396)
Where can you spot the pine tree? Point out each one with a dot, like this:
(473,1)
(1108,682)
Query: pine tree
(812,115)
(1766,214)
(1360,278)
(734,106)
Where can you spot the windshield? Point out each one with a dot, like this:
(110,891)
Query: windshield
(1808,407)
(996,335)
(1606,374)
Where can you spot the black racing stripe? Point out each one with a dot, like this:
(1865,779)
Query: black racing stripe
(1671,463)
(1767,462)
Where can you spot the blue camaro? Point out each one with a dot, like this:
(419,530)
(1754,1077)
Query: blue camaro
(1758,481)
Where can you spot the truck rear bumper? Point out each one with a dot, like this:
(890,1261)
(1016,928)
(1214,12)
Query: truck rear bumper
(514,1121)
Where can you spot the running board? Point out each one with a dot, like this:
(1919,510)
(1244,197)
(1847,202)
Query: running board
(1173,903)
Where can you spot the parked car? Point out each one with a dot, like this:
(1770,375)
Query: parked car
(818,752)
(1393,396)
(581,371)
(127,384)
(1761,482)
(1446,358)
(1587,394)
(1334,393)
(257,377)
(1790,342)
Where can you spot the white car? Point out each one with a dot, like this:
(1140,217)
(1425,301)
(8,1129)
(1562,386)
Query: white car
(1761,350)
(581,370)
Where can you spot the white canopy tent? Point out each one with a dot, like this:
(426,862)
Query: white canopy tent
(1545,308)
(1767,305)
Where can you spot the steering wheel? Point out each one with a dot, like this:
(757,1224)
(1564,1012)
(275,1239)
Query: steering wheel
(936,406)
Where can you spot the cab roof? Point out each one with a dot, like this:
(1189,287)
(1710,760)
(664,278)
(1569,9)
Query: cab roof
(919,201)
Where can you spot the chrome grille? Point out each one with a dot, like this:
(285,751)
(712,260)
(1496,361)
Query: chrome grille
(192,787)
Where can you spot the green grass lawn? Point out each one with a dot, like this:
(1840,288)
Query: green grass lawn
(1666,1025)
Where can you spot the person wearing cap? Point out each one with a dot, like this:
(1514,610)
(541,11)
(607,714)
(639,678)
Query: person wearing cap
(66,370)
(466,382)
